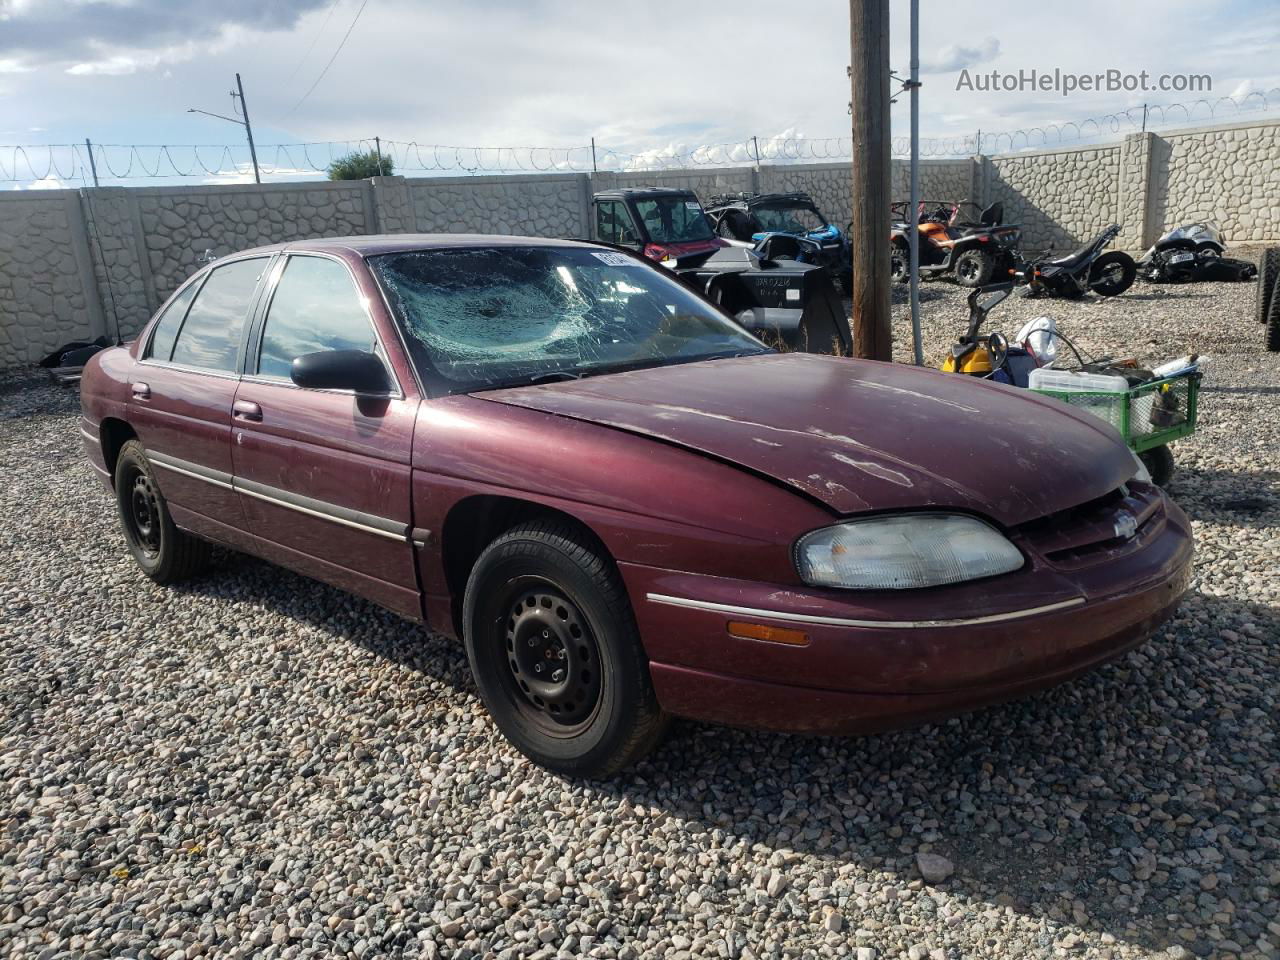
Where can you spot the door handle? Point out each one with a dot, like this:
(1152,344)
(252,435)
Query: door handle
(141,391)
(246,410)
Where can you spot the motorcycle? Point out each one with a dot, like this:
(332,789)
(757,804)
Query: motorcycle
(973,251)
(1106,274)
(1190,253)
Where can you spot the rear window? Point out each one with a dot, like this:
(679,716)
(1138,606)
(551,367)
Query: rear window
(210,338)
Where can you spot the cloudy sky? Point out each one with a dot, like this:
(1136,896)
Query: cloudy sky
(654,76)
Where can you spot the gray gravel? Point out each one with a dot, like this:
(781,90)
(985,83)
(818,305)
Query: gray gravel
(258,765)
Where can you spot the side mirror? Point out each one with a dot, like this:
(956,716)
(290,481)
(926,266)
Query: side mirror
(341,370)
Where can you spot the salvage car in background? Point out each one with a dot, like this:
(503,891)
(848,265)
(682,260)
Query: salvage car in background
(751,218)
(625,505)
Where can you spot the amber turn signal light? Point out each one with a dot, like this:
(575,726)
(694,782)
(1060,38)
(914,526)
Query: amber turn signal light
(758,631)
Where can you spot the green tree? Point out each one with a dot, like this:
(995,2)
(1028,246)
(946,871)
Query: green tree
(360,165)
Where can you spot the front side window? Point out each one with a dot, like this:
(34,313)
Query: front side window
(210,338)
(483,317)
(674,219)
(166,330)
(613,223)
(315,307)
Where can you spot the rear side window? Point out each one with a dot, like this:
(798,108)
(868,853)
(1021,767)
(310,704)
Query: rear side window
(211,336)
(613,223)
(316,307)
(166,330)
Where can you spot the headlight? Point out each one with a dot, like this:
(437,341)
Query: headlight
(910,550)
(1143,475)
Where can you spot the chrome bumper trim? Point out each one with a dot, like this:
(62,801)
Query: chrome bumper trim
(710,607)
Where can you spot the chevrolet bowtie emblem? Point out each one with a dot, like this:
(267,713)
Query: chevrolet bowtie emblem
(1126,526)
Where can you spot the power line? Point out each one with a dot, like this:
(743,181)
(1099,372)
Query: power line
(354,21)
(314,40)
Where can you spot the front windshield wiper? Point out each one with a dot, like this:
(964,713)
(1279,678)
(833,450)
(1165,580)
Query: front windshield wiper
(553,376)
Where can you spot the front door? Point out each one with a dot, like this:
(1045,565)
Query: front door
(183,390)
(323,475)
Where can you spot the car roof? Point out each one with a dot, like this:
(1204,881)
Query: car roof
(374,244)
(625,193)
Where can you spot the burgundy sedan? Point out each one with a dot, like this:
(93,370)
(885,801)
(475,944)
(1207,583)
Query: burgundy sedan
(624,505)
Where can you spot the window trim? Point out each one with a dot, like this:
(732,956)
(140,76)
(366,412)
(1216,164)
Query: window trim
(196,280)
(203,277)
(253,352)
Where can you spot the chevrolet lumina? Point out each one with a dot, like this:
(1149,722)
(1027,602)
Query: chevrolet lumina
(625,506)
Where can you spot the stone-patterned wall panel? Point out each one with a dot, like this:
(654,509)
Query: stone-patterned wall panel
(705,183)
(44,300)
(534,206)
(118,268)
(830,185)
(1231,176)
(943,180)
(180,224)
(1061,198)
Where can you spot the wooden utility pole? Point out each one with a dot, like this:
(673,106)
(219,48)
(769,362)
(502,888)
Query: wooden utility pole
(869,230)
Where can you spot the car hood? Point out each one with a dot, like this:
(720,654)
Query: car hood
(858,435)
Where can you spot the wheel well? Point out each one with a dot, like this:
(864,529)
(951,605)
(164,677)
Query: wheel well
(114,434)
(475,522)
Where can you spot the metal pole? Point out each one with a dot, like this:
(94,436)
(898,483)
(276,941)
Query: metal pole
(977,147)
(244,109)
(1144,118)
(594,168)
(93,167)
(377,146)
(913,234)
(755,144)
(870,180)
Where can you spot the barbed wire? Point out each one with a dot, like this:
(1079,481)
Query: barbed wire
(63,163)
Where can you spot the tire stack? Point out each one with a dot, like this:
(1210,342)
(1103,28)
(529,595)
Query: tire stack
(1268,296)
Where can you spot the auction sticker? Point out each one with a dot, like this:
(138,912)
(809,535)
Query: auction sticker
(614,259)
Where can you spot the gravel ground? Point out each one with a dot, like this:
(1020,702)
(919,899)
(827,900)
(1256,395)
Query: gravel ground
(258,765)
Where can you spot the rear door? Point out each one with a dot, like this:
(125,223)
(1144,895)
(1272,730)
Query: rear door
(324,475)
(184,387)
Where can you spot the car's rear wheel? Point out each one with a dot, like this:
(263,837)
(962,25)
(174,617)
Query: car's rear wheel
(165,553)
(556,654)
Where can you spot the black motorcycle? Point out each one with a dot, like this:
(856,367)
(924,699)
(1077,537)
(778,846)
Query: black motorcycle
(1191,253)
(1106,274)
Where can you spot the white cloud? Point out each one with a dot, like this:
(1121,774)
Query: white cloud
(954,57)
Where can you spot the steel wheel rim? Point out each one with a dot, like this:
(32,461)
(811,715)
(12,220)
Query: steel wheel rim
(142,517)
(967,270)
(551,660)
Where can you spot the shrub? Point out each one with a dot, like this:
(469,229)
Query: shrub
(360,165)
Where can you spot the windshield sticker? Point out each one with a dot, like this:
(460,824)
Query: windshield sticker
(693,205)
(614,259)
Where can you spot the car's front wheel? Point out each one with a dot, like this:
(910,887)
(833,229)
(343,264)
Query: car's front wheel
(165,553)
(555,651)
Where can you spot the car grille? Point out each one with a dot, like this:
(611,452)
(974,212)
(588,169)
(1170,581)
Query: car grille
(1119,521)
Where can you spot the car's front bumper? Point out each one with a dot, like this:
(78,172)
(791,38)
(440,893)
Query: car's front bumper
(866,669)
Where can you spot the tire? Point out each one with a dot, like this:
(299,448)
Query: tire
(1268,270)
(974,267)
(165,553)
(1273,318)
(1112,274)
(1159,463)
(899,263)
(542,598)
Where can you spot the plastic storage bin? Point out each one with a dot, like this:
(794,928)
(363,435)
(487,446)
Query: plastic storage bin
(1103,395)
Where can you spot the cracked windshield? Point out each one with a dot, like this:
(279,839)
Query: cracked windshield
(478,318)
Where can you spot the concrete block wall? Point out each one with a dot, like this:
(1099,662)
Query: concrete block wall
(179,224)
(539,205)
(1061,198)
(48,294)
(73,264)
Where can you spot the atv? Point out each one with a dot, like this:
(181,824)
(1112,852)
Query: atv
(974,251)
(662,224)
(748,219)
